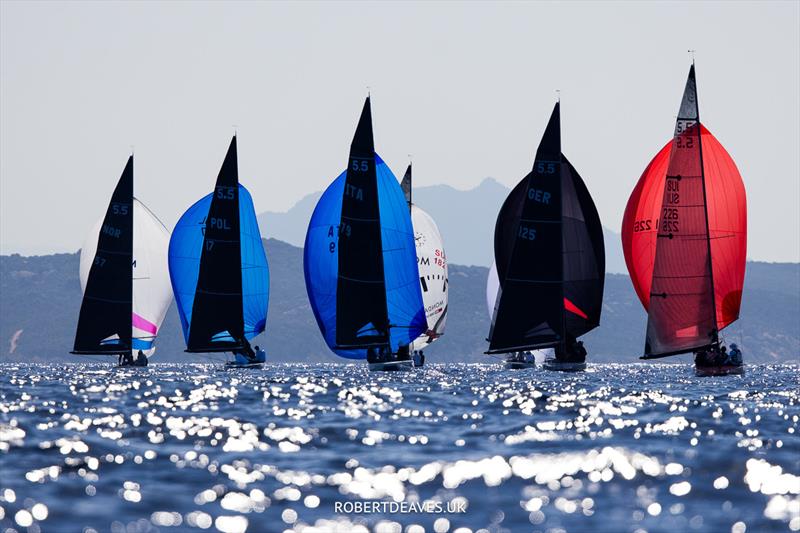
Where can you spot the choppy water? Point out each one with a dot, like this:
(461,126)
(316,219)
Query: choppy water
(617,448)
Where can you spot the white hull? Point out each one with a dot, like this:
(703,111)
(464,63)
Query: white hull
(392,366)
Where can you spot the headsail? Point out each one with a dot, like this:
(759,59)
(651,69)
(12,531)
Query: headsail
(707,218)
(359,260)
(528,254)
(104,324)
(218,266)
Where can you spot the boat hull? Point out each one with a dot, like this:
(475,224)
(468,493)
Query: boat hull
(722,370)
(518,365)
(560,366)
(392,366)
(233,364)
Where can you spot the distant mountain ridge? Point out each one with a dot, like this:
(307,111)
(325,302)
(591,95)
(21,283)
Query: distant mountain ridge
(40,299)
(466,219)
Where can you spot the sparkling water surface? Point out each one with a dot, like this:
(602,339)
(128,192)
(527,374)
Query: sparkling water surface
(639,447)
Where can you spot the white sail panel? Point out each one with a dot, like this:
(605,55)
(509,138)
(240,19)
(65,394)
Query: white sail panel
(432,267)
(88,251)
(152,292)
(492,286)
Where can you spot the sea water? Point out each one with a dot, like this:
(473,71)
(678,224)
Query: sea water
(638,447)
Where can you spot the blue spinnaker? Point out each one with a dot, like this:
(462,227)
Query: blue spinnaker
(321,262)
(185,249)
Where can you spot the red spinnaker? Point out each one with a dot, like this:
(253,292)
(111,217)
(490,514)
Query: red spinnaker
(727,221)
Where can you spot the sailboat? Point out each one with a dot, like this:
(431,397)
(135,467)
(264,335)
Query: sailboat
(219,271)
(124,279)
(359,261)
(432,268)
(684,235)
(550,258)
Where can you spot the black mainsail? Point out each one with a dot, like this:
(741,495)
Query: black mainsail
(549,253)
(217,323)
(362,318)
(104,323)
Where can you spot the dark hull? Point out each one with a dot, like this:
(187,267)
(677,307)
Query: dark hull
(392,366)
(131,365)
(563,366)
(721,370)
(518,365)
(229,365)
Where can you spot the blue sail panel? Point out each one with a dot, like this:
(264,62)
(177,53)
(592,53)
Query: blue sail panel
(255,270)
(185,248)
(403,292)
(321,262)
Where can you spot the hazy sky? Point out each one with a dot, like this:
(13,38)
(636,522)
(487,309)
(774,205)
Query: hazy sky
(464,87)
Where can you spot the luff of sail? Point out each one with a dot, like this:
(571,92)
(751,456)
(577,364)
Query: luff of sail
(528,254)
(727,225)
(104,323)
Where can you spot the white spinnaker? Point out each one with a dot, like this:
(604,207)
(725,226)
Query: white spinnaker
(432,266)
(152,292)
(492,286)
